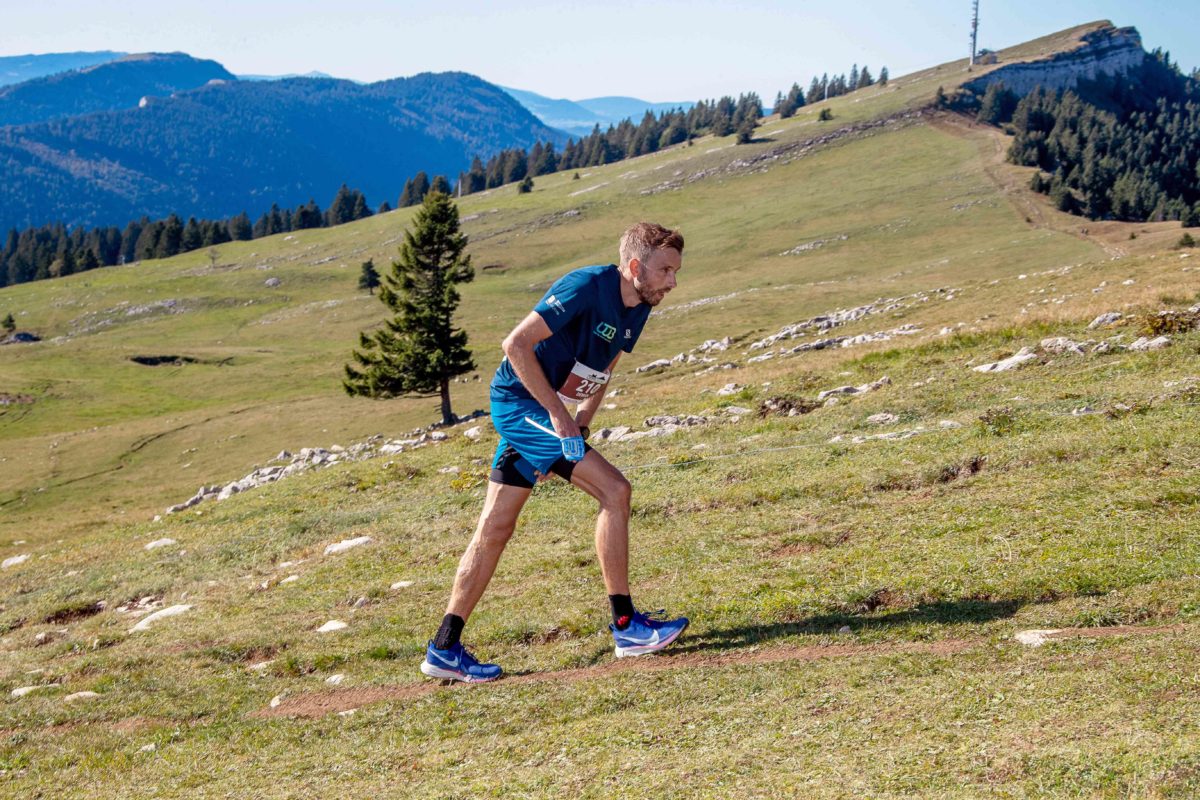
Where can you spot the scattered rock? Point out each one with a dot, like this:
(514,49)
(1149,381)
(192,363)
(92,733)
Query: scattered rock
(845,390)
(71,698)
(14,561)
(170,611)
(844,629)
(882,419)
(474,433)
(361,602)
(737,411)
(1143,344)
(401,584)
(611,434)
(661,363)
(728,389)
(157,543)
(24,690)
(289,579)
(347,544)
(949,424)
(335,680)
(332,625)
(271,282)
(1024,355)
(1104,319)
(148,748)
(276,700)
(1060,345)
(1035,638)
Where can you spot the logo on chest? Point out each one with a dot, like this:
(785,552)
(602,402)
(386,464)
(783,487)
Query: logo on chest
(605,331)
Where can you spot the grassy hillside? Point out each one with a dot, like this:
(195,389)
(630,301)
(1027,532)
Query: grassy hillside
(854,597)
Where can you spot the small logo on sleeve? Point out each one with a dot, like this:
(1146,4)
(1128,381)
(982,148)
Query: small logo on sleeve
(628,333)
(556,304)
(605,331)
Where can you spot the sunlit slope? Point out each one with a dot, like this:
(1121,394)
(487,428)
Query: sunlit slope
(899,207)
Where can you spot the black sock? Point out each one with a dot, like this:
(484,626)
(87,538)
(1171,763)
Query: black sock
(622,610)
(449,633)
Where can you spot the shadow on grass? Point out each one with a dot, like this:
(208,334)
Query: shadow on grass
(952,612)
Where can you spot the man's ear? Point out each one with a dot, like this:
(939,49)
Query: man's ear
(635,268)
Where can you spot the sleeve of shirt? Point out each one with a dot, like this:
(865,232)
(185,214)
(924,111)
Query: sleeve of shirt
(634,329)
(569,295)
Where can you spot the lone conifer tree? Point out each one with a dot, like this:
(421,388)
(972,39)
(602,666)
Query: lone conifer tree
(9,323)
(418,350)
(369,278)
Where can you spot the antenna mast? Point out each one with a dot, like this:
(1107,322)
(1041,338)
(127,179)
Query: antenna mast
(974,28)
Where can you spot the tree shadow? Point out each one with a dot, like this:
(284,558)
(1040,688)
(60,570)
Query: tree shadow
(946,612)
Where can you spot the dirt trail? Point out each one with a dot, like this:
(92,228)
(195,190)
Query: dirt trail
(319,704)
(1034,207)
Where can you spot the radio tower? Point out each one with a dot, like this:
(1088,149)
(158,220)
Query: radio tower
(974,28)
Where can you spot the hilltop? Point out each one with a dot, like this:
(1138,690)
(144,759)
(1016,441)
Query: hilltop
(109,86)
(858,516)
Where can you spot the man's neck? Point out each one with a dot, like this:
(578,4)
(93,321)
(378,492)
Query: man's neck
(629,295)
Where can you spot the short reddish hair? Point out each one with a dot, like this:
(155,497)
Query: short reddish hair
(642,239)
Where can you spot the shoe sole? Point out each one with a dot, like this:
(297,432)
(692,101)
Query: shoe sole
(647,649)
(430,671)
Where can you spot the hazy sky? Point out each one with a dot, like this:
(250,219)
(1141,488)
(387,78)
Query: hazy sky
(660,51)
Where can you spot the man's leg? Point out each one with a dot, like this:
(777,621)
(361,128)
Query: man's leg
(496,524)
(634,634)
(605,482)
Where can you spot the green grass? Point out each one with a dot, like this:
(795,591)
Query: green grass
(933,550)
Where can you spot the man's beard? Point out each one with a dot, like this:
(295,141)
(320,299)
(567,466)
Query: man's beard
(646,296)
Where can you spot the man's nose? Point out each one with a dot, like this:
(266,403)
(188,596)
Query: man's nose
(670,280)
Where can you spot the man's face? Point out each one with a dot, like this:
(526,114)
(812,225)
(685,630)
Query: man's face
(656,276)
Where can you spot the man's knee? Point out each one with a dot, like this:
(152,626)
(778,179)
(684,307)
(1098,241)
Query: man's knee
(616,493)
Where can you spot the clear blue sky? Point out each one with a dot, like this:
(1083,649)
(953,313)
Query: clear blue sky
(661,51)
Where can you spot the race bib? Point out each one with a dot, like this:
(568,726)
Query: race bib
(582,383)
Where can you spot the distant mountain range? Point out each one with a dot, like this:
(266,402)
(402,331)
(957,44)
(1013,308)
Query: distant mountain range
(579,117)
(105,87)
(229,145)
(101,138)
(17,69)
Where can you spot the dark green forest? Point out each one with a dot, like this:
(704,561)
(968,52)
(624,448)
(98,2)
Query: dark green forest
(1123,147)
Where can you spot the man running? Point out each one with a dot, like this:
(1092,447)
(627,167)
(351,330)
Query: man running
(564,352)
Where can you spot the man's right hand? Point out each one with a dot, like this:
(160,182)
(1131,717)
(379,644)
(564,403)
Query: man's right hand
(564,425)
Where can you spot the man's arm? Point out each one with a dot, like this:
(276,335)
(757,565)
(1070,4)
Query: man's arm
(588,408)
(518,346)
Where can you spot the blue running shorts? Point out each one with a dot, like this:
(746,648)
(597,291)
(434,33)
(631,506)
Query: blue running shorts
(523,448)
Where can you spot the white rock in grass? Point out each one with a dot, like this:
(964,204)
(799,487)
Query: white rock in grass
(737,411)
(261,665)
(347,544)
(474,433)
(289,579)
(1035,638)
(1023,355)
(332,625)
(728,389)
(882,419)
(1144,343)
(71,698)
(24,690)
(1061,345)
(349,712)
(949,424)
(169,611)
(157,543)
(14,560)
(402,584)
(147,748)
(335,680)
(1104,319)
(276,700)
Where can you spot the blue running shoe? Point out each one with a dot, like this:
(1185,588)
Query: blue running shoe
(457,664)
(647,633)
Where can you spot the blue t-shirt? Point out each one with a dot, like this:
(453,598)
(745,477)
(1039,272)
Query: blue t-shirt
(590,324)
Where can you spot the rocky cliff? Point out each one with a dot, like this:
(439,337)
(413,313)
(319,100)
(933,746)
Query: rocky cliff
(1107,50)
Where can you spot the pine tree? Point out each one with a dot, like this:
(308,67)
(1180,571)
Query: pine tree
(525,186)
(384,207)
(369,278)
(440,184)
(745,131)
(418,350)
(239,228)
(883,76)
(9,323)
(192,237)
